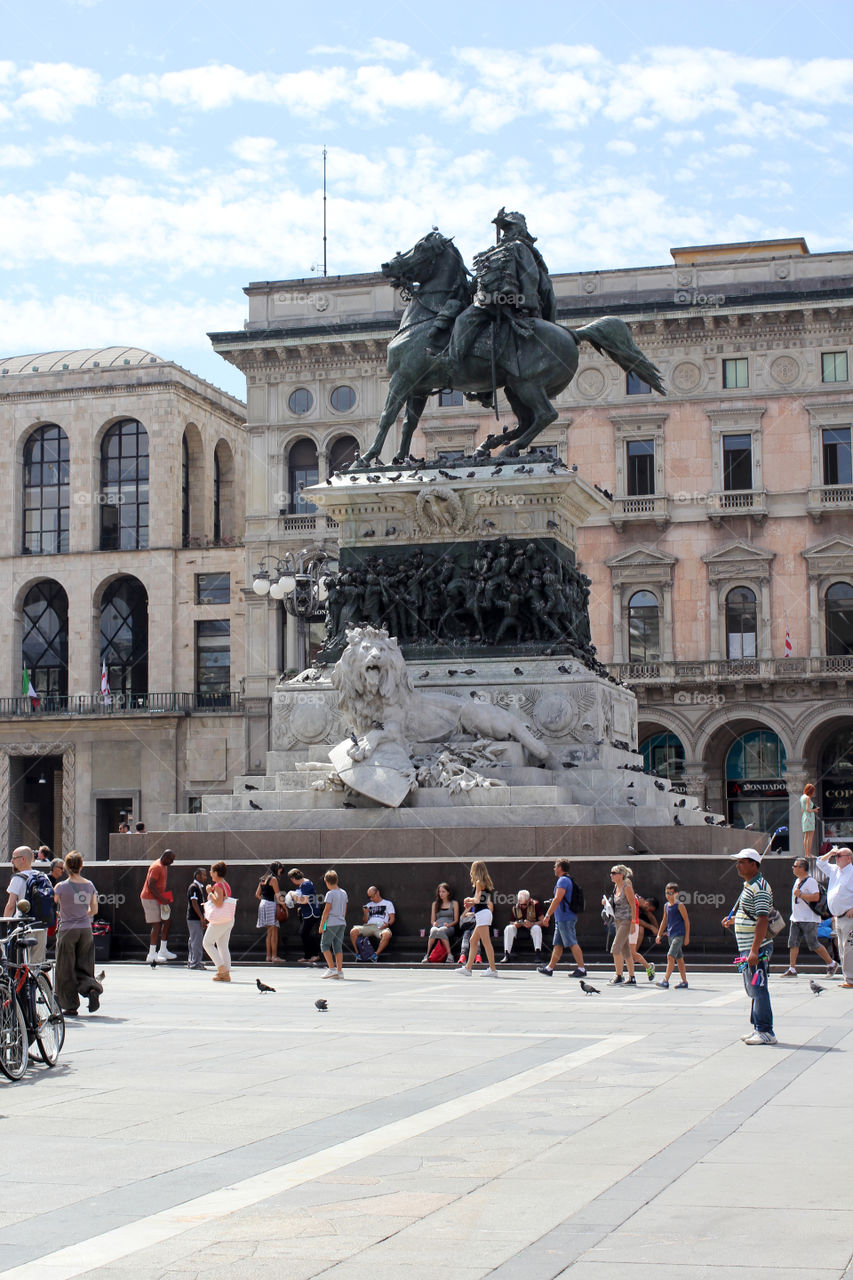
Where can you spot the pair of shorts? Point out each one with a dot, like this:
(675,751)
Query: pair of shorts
(332,938)
(676,946)
(152,910)
(372,930)
(483,917)
(565,933)
(634,935)
(803,931)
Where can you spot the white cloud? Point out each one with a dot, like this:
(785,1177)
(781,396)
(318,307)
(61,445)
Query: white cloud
(377,47)
(12,157)
(53,90)
(254,150)
(735,151)
(163,159)
(621,146)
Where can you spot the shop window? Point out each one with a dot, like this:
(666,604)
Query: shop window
(756,791)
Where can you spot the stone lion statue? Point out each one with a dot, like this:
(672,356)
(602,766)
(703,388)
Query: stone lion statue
(378,702)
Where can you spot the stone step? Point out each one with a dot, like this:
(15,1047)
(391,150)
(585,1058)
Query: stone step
(425,798)
(373,818)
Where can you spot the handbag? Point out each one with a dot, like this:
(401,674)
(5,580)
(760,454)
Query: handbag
(281,913)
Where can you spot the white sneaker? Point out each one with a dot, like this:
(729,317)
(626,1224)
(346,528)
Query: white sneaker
(152,955)
(330,973)
(491,973)
(464,970)
(759,1037)
(165,954)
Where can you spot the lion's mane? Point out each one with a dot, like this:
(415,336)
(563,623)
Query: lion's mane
(360,706)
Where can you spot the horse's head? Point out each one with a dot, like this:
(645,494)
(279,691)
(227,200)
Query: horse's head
(417,264)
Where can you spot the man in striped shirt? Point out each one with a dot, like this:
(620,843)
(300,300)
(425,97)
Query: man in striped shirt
(751,914)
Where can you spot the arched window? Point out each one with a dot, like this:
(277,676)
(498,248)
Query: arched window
(46,491)
(124,487)
(342,453)
(124,637)
(643,628)
(44,640)
(839,619)
(756,790)
(185,492)
(663,755)
(741,624)
(302,469)
(225,518)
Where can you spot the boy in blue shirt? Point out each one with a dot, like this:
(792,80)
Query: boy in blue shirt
(677,924)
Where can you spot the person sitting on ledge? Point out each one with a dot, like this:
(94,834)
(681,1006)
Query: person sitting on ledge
(444,919)
(378,919)
(526,915)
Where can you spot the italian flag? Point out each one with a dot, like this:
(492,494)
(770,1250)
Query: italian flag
(28,690)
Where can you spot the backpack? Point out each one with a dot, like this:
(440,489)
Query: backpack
(364,948)
(438,955)
(40,898)
(576,900)
(821,907)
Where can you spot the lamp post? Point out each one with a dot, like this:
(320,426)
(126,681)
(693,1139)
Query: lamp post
(299,582)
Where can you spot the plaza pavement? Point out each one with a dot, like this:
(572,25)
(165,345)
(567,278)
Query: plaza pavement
(429,1125)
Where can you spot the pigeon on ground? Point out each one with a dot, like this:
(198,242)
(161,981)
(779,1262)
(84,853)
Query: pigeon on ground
(470,672)
(489,524)
(389,533)
(816,987)
(660,786)
(564,670)
(469,475)
(252,805)
(322,1006)
(347,805)
(679,804)
(353,739)
(262,987)
(101,975)
(248,787)
(569,764)
(424,675)
(630,848)
(497,471)
(153,964)
(517,671)
(750,826)
(451,671)
(632,801)
(677,821)
(588,990)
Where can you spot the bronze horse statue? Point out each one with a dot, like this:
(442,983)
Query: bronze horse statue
(438,283)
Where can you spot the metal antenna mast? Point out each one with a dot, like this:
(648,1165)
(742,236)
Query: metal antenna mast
(324,212)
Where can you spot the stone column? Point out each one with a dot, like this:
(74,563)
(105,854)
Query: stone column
(714,621)
(814,619)
(764,646)
(666,637)
(619,654)
(796,777)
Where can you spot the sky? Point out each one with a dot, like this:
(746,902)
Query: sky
(155,158)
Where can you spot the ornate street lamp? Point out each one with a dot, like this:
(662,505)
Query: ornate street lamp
(299,581)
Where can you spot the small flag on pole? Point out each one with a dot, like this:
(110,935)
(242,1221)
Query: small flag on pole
(29,691)
(788,646)
(105,685)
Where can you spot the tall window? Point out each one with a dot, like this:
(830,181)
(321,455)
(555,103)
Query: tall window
(643,628)
(641,467)
(449,397)
(46,491)
(741,624)
(836,456)
(44,642)
(635,386)
(213,659)
(833,366)
(735,373)
(302,470)
(342,453)
(124,487)
(217,499)
(663,755)
(839,619)
(124,637)
(737,462)
(185,492)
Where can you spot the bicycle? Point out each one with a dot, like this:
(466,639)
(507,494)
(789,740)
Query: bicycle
(28,1008)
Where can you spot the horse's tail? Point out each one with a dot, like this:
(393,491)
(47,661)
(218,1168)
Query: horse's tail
(613,337)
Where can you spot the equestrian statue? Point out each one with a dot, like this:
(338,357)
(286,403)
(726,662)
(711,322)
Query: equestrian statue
(493,330)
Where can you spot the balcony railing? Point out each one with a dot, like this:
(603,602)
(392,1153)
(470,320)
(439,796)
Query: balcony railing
(176,704)
(759,669)
(316,523)
(829,497)
(737,502)
(196,541)
(649,506)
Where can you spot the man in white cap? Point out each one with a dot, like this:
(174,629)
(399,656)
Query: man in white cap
(839,899)
(751,914)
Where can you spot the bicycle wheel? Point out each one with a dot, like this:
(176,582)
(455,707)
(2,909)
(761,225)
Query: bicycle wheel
(49,1022)
(14,1053)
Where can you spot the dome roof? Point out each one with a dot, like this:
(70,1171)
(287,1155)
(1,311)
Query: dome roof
(88,358)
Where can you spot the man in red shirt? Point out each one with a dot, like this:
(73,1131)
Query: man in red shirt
(156,903)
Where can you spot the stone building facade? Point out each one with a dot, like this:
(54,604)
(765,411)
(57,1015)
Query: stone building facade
(723,575)
(120,555)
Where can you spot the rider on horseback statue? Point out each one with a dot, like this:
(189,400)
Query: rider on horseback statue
(512,286)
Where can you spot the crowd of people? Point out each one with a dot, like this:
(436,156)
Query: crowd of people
(63,904)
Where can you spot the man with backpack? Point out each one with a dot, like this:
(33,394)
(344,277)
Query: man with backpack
(565,907)
(806,915)
(33,886)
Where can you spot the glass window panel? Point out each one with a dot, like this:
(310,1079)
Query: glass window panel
(737,462)
(837,468)
(635,386)
(736,373)
(343,399)
(834,366)
(641,467)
